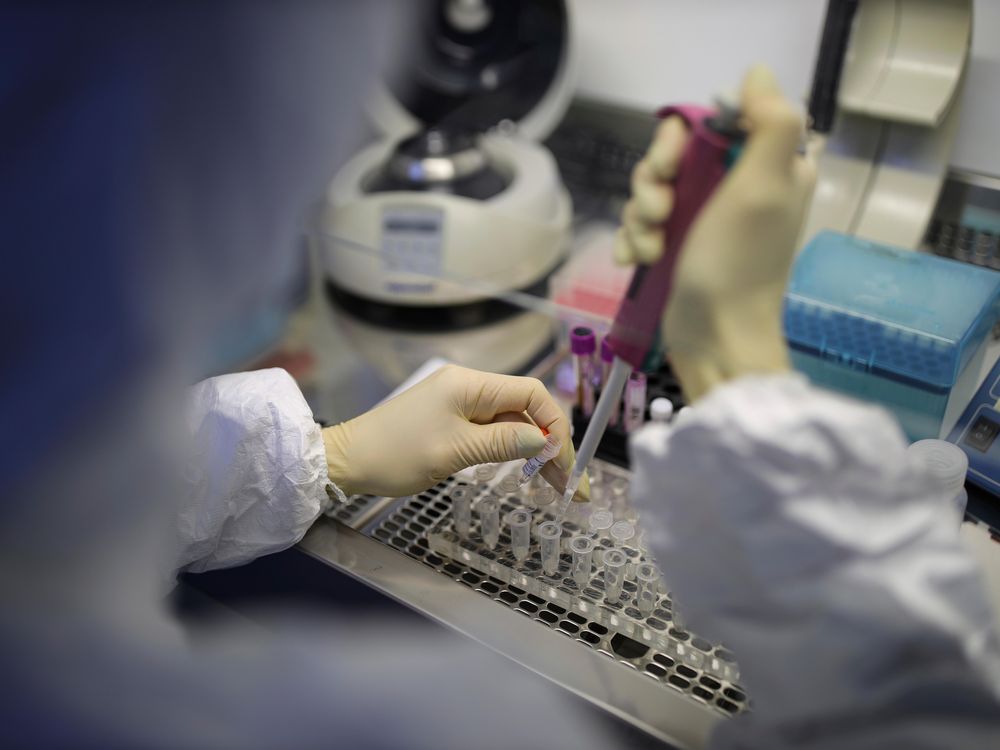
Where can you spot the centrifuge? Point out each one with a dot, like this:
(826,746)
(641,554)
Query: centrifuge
(457,202)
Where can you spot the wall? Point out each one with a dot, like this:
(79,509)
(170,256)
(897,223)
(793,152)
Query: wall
(644,53)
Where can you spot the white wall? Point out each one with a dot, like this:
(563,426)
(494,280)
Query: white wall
(646,53)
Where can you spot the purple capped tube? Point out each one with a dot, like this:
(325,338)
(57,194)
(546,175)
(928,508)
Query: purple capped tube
(583,344)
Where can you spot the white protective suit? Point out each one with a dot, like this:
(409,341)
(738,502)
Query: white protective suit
(790,527)
(265,480)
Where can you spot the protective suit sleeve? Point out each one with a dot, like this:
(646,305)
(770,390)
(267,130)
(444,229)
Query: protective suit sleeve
(791,528)
(256,470)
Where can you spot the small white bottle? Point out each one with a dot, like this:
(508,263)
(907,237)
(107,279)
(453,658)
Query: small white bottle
(661,410)
(947,465)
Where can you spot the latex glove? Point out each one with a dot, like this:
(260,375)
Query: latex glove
(723,318)
(454,419)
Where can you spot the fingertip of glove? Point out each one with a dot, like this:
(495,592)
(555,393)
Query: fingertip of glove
(530,440)
(622,250)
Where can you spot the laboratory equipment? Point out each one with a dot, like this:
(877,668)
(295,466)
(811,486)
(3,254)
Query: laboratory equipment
(607,358)
(647,577)
(485,473)
(489,521)
(459,190)
(582,549)
(545,496)
(549,545)
(565,621)
(519,523)
(600,499)
(618,487)
(461,509)
(571,602)
(902,329)
(582,344)
(613,445)
(711,148)
(614,574)
(509,484)
(661,410)
(947,466)
(600,522)
(534,464)
(901,86)
(577,516)
(622,532)
(976,432)
(635,401)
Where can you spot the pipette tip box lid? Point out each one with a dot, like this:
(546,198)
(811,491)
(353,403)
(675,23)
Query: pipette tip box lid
(888,324)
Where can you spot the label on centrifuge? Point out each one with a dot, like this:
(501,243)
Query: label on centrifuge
(412,244)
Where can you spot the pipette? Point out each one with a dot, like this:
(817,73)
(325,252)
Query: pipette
(713,144)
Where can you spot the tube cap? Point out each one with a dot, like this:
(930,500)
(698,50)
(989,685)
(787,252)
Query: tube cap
(582,340)
(946,463)
(606,354)
(661,409)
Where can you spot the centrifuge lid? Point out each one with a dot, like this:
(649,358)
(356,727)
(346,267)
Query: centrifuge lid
(479,63)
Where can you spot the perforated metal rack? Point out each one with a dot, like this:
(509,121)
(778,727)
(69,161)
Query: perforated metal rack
(671,659)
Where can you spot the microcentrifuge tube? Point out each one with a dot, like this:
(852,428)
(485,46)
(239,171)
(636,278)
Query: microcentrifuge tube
(596,474)
(485,472)
(577,513)
(509,484)
(582,548)
(622,531)
(549,538)
(619,487)
(600,522)
(614,574)
(545,496)
(647,577)
(600,496)
(461,510)
(519,521)
(489,521)
(635,401)
(534,464)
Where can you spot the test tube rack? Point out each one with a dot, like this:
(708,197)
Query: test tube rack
(613,447)
(657,645)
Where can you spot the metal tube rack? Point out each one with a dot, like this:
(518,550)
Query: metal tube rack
(650,670)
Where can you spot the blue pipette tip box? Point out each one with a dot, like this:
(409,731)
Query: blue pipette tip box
(898,327)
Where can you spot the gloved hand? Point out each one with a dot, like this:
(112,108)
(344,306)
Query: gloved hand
(723,318)
(454,419)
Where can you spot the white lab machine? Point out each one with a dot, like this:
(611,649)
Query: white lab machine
(457,201)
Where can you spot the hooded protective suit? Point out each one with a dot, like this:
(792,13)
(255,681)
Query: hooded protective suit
(158,162)
(791,527)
